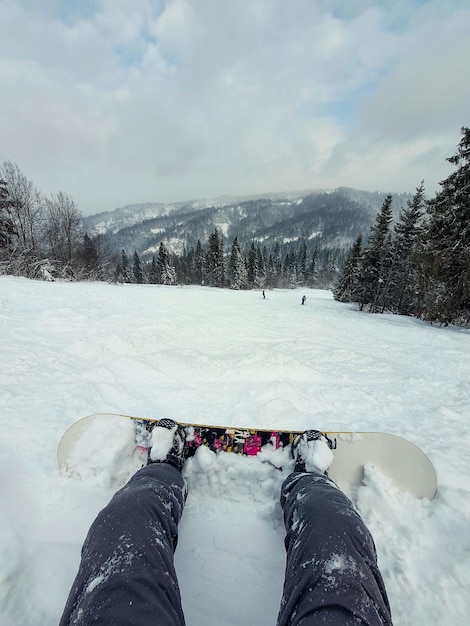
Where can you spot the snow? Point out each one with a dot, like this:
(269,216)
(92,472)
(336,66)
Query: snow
(315,234)
(316,455)
(226,357)
(289,239)
(223,227)
(162,441)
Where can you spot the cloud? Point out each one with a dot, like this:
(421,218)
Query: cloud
(410,122)
(427,87)
(117,102)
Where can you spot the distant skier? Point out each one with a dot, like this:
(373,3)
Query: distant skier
(264,295)
(127,574)
(304,299)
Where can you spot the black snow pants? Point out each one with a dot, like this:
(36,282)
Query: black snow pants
(127,576)
(331,569)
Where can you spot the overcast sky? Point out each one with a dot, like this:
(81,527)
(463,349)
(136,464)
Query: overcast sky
(125,101)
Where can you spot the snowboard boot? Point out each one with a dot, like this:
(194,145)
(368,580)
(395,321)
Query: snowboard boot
(312,452)
(167,441)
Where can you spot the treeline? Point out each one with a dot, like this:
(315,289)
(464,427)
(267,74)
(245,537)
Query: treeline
(44,237)
(420,265)
(214,265)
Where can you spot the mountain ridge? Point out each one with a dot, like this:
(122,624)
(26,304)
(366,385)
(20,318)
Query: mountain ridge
(327,218)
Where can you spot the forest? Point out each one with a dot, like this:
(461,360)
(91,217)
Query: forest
(418,264)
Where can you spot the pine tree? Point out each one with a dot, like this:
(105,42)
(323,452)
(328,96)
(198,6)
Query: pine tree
(376,260)
(126,275)
(275,266)
(403,285)
(445,256)
(165,270)
(122,273)
(198,264)
(214,261)
(346,285)
(252,265)
(182,265)
(302,263)
(137,270)
(312,271)
(261,260)
(153,272)
(238,278)
(327,270)
(90,258)
(290,271)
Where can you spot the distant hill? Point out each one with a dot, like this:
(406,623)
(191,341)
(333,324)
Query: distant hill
(327,219)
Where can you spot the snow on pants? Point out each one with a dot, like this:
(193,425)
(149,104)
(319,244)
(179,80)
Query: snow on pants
(331,565)
(126,575)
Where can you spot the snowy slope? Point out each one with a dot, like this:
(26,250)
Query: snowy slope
(227,357)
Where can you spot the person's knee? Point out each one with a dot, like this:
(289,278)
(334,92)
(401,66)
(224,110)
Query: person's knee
(314,494)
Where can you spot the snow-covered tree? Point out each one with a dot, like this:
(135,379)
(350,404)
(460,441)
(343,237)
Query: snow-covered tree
(261,260)
(376,260)
(445,255)
(290,271)
(346,285)
(214,261)
(63,227)
(237,272)
(137,269)
(153,272)
(274,272)
(89,259)
(25,209)
(8,233)
(198,264)
(312,270)
(302,263)
(122,273)
(165,269)
(402,288)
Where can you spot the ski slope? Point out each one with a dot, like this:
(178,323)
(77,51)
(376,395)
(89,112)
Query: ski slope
(219,356)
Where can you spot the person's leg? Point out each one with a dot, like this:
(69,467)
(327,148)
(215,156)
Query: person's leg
(127,575)
(331,575)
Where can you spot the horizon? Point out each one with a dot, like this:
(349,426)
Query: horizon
(234,198)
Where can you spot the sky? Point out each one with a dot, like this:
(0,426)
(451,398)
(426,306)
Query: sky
(118,102)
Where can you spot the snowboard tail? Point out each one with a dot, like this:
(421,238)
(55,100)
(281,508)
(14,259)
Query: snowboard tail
(90,444)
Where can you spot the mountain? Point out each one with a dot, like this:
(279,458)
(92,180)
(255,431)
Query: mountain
(123,217)
(327,219)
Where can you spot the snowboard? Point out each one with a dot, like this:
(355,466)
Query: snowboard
(119,444)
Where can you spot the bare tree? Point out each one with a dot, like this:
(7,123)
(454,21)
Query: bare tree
(64,227)
(25,208)
(7,227)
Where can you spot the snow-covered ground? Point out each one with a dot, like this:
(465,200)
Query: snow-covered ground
(218,356)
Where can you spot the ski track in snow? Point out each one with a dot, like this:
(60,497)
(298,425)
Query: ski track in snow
(225,357)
